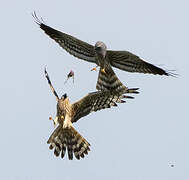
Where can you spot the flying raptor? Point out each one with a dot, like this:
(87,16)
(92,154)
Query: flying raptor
(99,54)
(65,136)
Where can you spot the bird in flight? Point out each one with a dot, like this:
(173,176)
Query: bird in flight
(99,54)
(65,136)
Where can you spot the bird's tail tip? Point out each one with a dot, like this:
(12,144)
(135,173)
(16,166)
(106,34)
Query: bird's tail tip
(68,138)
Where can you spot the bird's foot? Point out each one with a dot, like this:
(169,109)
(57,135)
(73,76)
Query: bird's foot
(103,70)
(94,69)
(55,121)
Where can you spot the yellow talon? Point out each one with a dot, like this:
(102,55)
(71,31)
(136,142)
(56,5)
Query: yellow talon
(93,69)
(103,70)
(55,121)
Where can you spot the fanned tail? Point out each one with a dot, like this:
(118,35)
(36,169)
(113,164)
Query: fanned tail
(68,138)
(109,81)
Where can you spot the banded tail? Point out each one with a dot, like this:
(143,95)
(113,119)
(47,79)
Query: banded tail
(68,138)
(109,81)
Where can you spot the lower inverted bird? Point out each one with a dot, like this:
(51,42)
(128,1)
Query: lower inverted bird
(65,136)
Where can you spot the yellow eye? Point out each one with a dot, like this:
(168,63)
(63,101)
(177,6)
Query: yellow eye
(62,117)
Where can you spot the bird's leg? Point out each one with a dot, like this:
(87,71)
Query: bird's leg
(103,70)
(94,69)
(55,121)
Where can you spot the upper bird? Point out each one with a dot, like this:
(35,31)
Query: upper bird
(99,54)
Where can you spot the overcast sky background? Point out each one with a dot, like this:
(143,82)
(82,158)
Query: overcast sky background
(139,140)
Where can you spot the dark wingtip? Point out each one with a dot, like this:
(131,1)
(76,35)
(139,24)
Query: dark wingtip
(166,72)
(133,90)
(171,73)
(128,97)
(158,70)
(122,101)
(45,70)
(37,20)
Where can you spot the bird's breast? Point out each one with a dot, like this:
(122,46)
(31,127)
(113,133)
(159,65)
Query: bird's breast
(67,122)
(100,61)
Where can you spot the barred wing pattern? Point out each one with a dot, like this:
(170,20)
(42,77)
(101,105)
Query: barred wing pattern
(109,81)
(94,102)
(74,46)
(127,61)
(123,60)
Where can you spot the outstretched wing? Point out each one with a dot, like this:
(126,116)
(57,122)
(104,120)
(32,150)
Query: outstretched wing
(74,46)
(109,81)
(127,61)
(94,102)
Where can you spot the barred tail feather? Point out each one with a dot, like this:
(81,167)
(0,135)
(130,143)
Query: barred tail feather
(109,81)
(68,138)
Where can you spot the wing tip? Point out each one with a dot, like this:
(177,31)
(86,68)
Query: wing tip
(171,73)
(45,71)
(37,20)
(160,71)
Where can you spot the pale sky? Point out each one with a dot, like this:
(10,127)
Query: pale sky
(138,140)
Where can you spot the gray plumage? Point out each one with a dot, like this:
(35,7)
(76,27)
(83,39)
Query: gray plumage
(99,54)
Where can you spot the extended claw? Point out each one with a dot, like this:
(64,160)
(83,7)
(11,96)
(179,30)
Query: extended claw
(103,70)
(55,121)
(94,69)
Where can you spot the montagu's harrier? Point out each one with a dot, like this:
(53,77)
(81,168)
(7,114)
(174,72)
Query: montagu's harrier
(99,54)
(65,136)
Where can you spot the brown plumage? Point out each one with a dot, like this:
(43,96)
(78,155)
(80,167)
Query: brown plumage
(68,138)
(65,136)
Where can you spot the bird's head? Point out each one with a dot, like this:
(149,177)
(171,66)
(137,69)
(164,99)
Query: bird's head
(62,103)
(100,48)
